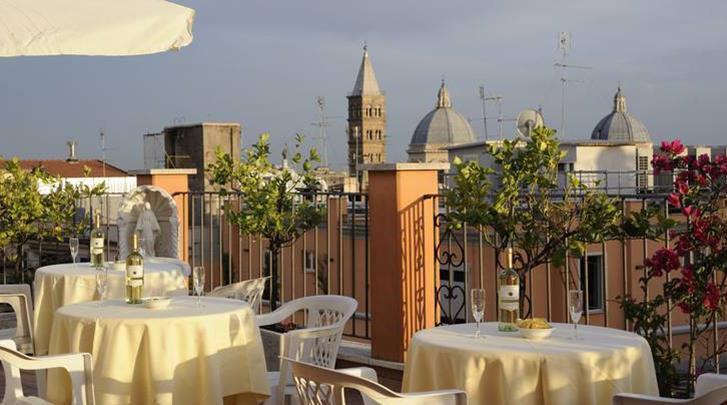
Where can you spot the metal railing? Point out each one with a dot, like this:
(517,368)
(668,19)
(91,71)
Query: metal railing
(331,258)
(608,270)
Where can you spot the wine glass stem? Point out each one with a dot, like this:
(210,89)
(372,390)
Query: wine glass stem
(575,331)
(477,334)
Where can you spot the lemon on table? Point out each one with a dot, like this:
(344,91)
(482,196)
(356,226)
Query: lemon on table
(535,323)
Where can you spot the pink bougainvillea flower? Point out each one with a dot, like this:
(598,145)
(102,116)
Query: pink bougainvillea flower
(663,260)
(661,163)
(674,147)
(674,200)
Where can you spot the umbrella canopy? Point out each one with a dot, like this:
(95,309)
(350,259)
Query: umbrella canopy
(92,27)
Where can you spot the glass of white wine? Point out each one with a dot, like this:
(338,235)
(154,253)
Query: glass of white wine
(478,307)
(575,308)
(198,281)
(73,245)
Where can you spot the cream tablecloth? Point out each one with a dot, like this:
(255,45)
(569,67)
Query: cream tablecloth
(181,355)
(64,284)
(504,368)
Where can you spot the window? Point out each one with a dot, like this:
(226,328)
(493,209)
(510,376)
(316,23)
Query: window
(642,165)
(565,167)
(595,286)
(310,261)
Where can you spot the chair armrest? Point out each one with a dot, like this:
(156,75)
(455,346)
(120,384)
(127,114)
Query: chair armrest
(708,382)
(363,372)
(277,316)
(639,399)
(69,362)
(456,397)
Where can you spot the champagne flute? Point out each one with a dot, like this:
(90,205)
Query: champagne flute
(198,280)
(478,307)
(142,251)
(102,276)
(575,308)
(73,245)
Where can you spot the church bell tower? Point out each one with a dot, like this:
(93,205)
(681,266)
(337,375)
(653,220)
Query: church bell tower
(366,120)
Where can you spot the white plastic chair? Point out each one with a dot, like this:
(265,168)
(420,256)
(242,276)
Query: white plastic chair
(250,291)
(78,366)
(326,317)
(321,386)
(19,298)
(710,389)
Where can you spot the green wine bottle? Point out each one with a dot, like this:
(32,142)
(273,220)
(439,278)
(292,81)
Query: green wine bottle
(97,242)
(508,297)
(134,274)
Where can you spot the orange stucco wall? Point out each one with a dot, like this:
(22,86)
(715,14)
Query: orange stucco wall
(402,268)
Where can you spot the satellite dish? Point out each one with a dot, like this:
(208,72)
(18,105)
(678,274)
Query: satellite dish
(527,120)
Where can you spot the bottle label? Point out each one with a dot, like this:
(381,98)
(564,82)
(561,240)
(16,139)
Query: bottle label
(509,293)
(96,245)
(510,306)
(135,282)
(135,272)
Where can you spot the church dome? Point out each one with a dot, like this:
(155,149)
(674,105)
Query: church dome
(443,125)
(619,125)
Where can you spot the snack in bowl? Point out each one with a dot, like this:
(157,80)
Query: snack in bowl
(157,302)
(536,328)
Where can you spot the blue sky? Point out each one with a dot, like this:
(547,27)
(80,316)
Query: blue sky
(262,63)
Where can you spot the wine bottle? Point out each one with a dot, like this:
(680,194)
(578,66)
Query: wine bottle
(97,242)
(134,273)
(509,297)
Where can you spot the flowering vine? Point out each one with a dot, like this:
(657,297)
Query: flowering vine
(694,257)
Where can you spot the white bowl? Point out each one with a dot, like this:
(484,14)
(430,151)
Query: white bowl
(535,334)
(118,266)
(157,302)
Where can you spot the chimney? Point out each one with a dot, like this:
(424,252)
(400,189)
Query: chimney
(71,152)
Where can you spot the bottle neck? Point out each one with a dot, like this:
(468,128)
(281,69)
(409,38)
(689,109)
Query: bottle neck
(509,258)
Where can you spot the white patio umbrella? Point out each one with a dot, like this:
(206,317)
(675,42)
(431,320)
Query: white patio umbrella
(92,27)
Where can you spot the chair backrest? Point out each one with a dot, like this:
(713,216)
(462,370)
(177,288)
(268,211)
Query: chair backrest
(324,310)
(19,298)
(322,386)
(250,291)
(318,343)
(78,366)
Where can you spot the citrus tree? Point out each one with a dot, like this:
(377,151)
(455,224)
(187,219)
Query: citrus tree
(277,202)
(522,202)
(26,214)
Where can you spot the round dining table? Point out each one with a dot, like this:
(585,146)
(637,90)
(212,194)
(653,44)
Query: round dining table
(184,354)
(64,284)
(505,368)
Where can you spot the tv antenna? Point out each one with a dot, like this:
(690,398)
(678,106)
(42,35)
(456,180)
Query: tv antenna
(483,98)
(103,152)
(322,123)
(497,99)
(565,44)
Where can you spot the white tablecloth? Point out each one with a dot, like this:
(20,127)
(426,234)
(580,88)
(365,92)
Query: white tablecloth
(181,355)
(504,368)
(64,284)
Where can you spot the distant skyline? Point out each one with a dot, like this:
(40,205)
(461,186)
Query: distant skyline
(263,63)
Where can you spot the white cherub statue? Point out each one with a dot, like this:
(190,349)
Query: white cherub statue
(149,229)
